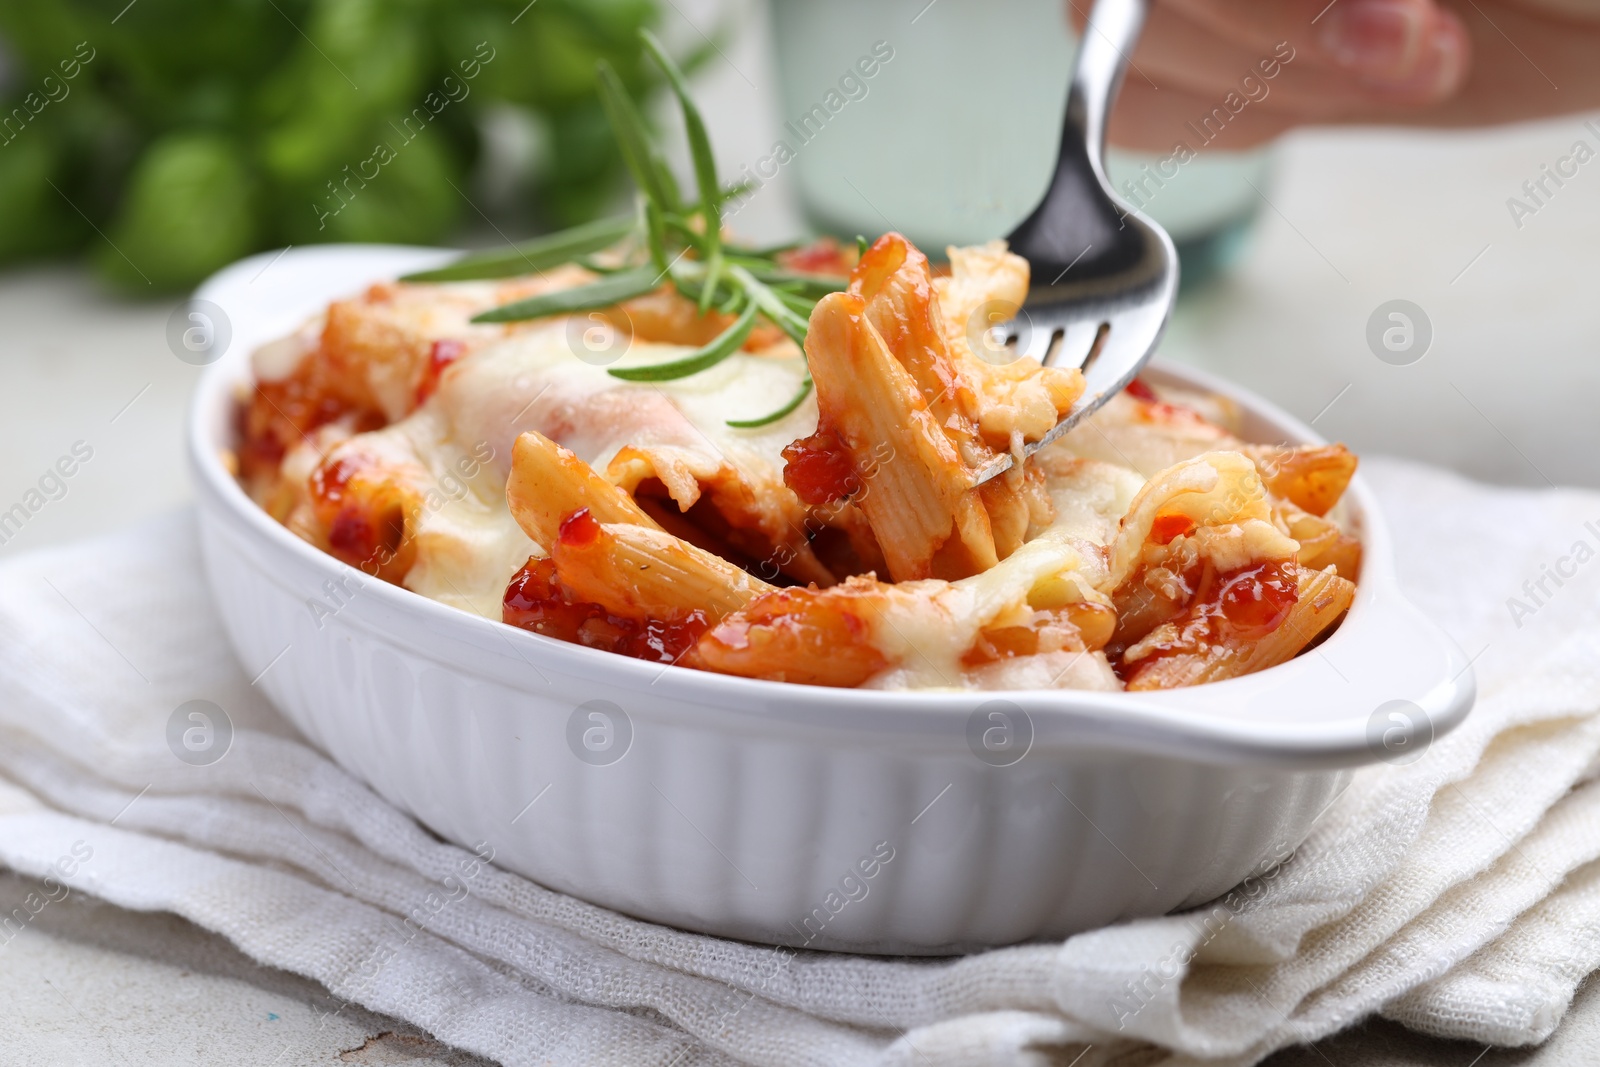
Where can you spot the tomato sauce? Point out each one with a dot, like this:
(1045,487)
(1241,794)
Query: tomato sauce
(1236,607)
(1256,600)
(537,601)
(1168,526)
(819,470)
(578,529)
(363,528)
(1139,389)
(822,256)
(441,355)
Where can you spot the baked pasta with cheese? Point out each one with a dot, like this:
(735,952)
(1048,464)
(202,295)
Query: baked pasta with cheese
(508,470)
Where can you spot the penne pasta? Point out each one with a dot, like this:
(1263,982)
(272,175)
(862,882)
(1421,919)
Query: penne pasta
(548,483)
(1206,648)
(642,573)
(1322,543)
(1313,478)
(666,317)
(896,284)
(363,508)
(813,637)
(1008,397)
(909,481)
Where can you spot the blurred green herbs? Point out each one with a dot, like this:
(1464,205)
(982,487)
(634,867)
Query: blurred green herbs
(167,138)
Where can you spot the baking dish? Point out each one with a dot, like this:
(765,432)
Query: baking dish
(890,822)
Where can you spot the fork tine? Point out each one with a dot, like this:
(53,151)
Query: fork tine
(1077,343)
(1131,336)
(1033,335)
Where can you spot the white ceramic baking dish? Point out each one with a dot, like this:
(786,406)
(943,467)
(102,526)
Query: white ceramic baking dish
(840,819)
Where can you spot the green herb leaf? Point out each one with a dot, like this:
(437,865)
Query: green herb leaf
(639,151)
(612,289)
(765,420)
(818,284)
(769,251)
(552,250)
(705,165)
(713,275)
(724,345)
(775,309)
(656,236)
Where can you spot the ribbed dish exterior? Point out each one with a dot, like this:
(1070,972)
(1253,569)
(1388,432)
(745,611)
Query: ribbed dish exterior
(832,842)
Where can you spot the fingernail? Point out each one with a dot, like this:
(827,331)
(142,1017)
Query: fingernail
(1376,38)
(1440,69)
(1450,45)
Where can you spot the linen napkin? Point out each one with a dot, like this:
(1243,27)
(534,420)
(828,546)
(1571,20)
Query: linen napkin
(1458,894)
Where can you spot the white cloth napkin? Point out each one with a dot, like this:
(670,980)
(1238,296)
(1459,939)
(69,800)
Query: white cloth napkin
(1458,894)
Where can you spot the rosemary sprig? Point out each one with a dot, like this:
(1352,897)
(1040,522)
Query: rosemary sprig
(609,290)
(551,250)
(639,152)
(765,420)
(705,166)
(674,242)
(721,347)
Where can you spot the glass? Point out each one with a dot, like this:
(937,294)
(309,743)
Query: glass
(941,121)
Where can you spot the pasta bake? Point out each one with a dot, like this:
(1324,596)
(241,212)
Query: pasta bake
(539,472)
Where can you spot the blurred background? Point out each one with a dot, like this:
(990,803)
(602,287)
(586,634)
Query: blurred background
(160,140)
(164,139)
(145,144)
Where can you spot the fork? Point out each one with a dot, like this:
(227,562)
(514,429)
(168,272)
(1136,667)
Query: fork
(1103,278)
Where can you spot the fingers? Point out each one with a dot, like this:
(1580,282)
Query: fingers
(1378,41)
(1397,51)
(1279,74)
(1295,61)
(1153,120)
(1408,51)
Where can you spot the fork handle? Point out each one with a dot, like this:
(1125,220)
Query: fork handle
(1103,50)
(1079,213)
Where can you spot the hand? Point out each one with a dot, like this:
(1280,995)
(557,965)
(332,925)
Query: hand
(1414,62)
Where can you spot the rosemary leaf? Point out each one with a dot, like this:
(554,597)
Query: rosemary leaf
(721,347)
(819,284)
(551,250)
(769,251)
(774,308)
(612,289)
(713,275)
(766,420)
(705,165)
(656,236)
(800,305)
(639,151)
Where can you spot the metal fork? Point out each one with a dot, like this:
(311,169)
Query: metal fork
(1103,278)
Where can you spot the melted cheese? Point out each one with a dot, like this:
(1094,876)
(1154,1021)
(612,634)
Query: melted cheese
(455,452)
(927,627)
(533,381)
